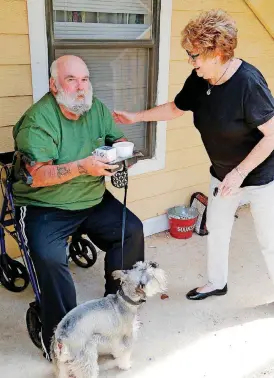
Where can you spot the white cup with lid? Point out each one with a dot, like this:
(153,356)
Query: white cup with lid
(124,149)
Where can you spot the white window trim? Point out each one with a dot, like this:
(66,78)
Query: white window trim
(39,69)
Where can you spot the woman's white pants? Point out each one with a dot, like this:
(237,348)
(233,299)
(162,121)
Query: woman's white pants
(220,219)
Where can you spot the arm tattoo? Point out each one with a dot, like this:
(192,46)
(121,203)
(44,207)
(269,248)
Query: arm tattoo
(62,171)
(81,169)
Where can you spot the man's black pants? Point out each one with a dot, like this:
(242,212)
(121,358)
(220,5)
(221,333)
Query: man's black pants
(46,231)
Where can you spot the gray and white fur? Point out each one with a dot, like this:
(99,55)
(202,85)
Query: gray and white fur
(105,326)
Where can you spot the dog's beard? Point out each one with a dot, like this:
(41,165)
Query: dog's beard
(72,103)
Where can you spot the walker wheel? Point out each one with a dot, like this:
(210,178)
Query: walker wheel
(34,324)
(83,252)
(13,275)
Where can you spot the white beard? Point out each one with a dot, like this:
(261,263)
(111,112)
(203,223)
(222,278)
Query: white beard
(72,103)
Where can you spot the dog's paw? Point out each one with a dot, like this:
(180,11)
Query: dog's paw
(124,365)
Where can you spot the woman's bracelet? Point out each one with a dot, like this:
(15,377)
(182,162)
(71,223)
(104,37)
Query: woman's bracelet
(243,176)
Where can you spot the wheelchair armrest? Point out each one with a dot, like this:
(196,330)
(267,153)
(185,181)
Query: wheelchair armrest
(23,172)
(25,176)
(27,160)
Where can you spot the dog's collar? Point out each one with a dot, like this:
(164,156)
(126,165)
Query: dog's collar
(129,300)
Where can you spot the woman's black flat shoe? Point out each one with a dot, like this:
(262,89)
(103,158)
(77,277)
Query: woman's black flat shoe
(196,296)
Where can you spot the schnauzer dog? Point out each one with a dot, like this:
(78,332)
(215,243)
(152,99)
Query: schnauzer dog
(105,326)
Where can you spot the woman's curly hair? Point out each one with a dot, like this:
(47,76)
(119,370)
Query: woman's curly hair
(213,31)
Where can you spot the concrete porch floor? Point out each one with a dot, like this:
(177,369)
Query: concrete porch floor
(225,337)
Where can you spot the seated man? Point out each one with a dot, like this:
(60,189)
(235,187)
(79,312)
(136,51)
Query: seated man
(59,133)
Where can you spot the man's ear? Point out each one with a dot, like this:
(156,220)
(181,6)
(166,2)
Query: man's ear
(119,275)
(52,86)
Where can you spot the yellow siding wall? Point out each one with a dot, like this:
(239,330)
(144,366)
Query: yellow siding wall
(15,76)
(186,161)
(264,10)
(15,72)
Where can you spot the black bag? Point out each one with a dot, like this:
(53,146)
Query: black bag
(199,201)
(120,178)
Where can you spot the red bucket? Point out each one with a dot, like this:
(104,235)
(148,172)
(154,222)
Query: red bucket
(182,221)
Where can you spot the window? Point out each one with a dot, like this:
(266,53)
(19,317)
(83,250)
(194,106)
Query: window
(118,40)
(98,17)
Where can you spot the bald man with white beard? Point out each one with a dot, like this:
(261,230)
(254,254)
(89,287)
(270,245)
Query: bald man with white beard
(59,133)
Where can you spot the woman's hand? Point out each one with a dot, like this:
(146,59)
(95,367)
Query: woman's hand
(125,118)
(164,112)
(231,183)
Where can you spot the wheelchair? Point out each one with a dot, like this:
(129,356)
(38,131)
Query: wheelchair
(14,275)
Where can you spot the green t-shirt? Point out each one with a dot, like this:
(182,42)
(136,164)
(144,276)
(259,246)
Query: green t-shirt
(44,133)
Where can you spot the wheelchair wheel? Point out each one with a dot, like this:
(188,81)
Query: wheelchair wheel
(13,275)
(34,324)
(83,252)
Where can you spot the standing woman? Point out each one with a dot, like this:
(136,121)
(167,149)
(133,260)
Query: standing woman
(233,109)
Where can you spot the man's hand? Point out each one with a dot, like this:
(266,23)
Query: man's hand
(94,167)
(231,183)
(125,118)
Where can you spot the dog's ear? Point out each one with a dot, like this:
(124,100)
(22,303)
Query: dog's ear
(119,274)
(154,264)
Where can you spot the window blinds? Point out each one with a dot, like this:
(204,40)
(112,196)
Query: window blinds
(119,78)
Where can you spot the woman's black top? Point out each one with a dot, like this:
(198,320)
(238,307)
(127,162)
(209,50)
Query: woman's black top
(228,119)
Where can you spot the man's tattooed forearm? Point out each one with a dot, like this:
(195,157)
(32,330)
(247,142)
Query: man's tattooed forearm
(81,169)
(63,171)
